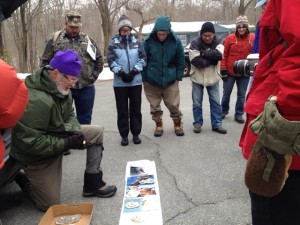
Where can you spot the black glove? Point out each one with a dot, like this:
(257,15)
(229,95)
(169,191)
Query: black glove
(120,73)
(75,141)
(127,77)
(214,62)
(203,53)
(224,75)
(134,71)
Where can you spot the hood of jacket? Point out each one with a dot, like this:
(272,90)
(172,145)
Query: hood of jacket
(162,23)
(41,81)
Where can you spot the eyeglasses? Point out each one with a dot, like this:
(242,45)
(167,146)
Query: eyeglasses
(72,81)
(125,30)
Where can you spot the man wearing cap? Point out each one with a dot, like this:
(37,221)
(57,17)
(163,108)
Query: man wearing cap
(83,91)
(236,46)
(206,52)
(49,127)
(161,76)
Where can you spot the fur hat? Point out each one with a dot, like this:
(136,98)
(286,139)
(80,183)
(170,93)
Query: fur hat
(207,27)
(73,18)
(124,21)
(242,21)
(66,62)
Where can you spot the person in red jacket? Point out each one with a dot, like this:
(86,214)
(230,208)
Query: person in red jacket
(277,74)
(13,101)
(237,46)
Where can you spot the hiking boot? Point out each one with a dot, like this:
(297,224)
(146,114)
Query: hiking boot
(136,140)
(178,127)
(124,141)
(239,119)
(105,192)
(224,114)
(159,128)
(197,128)
(220,130)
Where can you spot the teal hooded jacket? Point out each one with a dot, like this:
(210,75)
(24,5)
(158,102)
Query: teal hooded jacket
(38,137)
(165,60)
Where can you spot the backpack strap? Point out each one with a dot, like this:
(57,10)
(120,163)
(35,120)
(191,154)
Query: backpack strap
(55,35)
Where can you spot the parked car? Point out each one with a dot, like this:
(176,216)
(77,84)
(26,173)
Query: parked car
(187,68)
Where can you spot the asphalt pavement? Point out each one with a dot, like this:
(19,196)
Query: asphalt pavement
(200,175)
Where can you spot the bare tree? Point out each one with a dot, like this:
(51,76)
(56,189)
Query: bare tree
(109,10)
(21,26)
(139,8)
(1,42)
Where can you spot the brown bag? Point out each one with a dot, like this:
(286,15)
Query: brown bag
(271,156)
(266,171)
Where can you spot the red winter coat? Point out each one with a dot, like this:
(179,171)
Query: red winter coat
(13,101)
(236,48)
(278,71)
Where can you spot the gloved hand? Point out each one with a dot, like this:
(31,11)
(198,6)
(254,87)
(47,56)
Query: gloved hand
(214,62)
(75,141)
(203,53)
(127,77)
(224,75)
(134,71)
(120,73)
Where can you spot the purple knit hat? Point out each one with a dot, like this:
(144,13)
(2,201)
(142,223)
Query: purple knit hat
(66,62)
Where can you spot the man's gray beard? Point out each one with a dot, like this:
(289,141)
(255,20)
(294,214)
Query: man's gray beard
(59,85)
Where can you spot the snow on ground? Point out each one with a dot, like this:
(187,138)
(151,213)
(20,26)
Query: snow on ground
(105,75)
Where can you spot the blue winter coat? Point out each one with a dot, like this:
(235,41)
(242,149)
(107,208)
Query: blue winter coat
(165,60)
(126,53)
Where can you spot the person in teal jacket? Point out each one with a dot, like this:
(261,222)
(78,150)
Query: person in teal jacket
(165,66)
(49,127)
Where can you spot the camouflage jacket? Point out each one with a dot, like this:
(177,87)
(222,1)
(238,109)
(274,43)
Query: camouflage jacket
(90,68)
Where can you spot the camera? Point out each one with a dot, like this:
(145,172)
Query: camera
(246,67)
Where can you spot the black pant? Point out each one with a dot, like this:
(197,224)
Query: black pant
(122,94)
(282,209)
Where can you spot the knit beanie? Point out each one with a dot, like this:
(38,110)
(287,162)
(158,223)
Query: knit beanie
(207,27)
(66,62)
(242,21)
(124,21)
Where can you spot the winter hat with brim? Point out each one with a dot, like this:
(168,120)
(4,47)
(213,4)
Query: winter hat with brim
(124,21)
(67,62)
(260,3)
(73,19)
(207,27)
(242,21)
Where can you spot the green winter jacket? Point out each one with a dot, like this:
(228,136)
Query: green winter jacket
(165,60)
(49,116)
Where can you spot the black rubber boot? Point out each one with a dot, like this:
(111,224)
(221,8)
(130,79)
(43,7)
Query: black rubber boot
(95,186)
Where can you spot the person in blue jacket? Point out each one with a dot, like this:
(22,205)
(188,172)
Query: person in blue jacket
(164,70)
(126,59)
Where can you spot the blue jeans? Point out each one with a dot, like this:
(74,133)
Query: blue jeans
(241,83)
(84,103)
(214,101)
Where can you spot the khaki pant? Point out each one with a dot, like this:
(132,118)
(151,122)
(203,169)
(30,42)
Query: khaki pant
(46,178)
(170,95)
